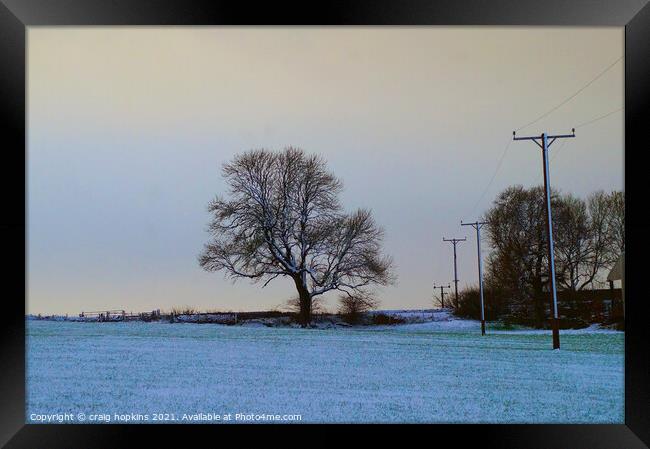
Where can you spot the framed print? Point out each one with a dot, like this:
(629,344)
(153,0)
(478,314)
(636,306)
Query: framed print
(242,221)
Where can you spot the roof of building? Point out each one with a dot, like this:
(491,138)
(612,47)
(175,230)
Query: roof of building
(616,273)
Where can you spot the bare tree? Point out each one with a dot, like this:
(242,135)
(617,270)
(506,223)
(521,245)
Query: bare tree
(283,219)
(589,237)
(517,264)
(617,222)
(578,244)
(352,306)
(607,212)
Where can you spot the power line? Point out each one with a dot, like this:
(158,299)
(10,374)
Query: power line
(598,118)
(494,175)
(588,122)
(505,150)
(572,96)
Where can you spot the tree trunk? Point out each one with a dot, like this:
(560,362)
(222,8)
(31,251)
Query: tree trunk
(304,316)
(539,302)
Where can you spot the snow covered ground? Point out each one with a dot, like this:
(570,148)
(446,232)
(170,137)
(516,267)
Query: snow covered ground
(432,371)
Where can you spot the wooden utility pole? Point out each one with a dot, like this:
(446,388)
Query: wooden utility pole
(477,225)
(455,242)
(543,142)
(442,293)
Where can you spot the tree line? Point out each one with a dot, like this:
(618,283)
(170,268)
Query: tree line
(281,217)
(589,237)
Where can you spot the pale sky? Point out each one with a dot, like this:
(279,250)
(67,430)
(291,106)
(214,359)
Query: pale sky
(128,129)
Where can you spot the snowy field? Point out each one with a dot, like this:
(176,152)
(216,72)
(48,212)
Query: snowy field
(438,372)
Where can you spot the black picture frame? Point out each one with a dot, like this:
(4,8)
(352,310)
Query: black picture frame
(16,15)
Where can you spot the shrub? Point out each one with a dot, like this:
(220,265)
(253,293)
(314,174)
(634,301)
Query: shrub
(352,307)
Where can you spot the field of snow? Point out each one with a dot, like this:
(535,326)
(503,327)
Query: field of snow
(438,371)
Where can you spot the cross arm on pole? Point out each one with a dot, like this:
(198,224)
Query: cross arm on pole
(533,138)
(538,139)
(559,136)
(475,225)
(525,138)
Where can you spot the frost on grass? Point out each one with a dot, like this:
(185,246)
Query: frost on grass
(441,372)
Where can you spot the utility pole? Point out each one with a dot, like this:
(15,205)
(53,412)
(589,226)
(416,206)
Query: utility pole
(442,293)
(543,142)
(455,242)
(477,225)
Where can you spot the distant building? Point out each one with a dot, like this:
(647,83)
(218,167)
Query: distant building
(617,273)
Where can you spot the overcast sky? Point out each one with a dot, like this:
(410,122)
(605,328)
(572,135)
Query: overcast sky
(128,129)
